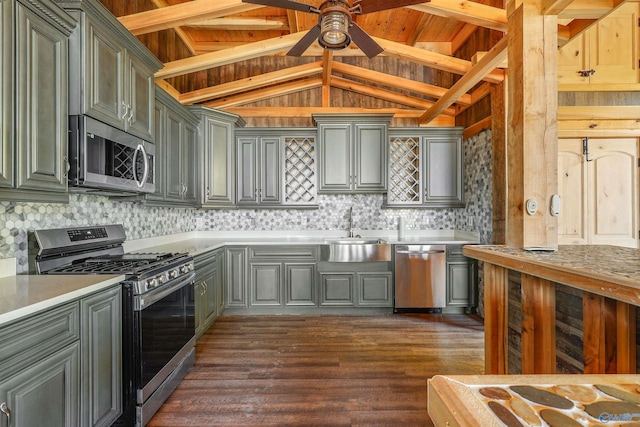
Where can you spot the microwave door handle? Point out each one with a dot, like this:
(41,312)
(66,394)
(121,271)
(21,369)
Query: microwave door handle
(140,148)
(145,175)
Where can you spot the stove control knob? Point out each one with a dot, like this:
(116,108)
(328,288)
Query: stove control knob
(184,269)
(151,283)
(173,273)
(161,279)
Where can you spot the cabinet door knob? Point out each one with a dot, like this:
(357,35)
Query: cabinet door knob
(5,410)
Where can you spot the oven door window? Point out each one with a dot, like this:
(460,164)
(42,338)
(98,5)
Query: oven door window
(164,328)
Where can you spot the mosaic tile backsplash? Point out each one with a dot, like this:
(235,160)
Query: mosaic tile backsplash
(141,221)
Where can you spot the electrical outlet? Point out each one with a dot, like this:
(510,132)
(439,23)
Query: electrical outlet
(470,221)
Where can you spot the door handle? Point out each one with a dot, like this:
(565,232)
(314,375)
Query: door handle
(5,410)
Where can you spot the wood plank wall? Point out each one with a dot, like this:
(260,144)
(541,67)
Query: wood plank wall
(569,328)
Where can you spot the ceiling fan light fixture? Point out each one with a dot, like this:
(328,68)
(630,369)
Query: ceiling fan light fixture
(334,32)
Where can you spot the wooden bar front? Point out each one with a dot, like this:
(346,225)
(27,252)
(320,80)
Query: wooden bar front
(609,276)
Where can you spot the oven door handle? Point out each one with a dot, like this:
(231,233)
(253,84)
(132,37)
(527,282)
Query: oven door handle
(141,302)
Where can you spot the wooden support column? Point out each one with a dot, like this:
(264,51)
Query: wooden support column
(538,325)
(496,290)
(609,330)
(532,128)
(499,161)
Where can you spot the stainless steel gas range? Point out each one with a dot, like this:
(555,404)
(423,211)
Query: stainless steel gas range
(158,337)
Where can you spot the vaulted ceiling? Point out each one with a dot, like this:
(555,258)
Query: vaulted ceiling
(460,39)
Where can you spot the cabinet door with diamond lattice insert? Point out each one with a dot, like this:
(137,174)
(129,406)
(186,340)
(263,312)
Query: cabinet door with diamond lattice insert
(405,170)
(300,183)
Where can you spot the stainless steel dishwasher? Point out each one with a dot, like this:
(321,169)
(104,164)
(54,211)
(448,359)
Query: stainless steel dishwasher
(420,276)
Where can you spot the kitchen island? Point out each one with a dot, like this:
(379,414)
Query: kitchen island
(608,276)
(609,279)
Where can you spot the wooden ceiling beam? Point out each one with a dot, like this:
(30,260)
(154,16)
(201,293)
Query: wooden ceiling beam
(386,95)
(182,34)
(228,56)
(589,9)
(566,33)
(182,14)
(466,11)
(394,81)
(327,64)
(251,83)
(239,24)
(432,59)
(266,93)
(294,22)
(303,112)
(489,62)
(462,36)
(419,30)
(554,7)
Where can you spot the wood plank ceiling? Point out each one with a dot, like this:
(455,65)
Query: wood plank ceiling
(231,55)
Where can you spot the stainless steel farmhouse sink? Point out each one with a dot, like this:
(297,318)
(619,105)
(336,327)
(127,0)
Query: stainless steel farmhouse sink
(353,241)
(355,249)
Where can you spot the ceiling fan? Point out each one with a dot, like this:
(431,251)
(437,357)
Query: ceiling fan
(335,28)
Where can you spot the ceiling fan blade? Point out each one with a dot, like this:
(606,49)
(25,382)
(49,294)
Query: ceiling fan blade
(368,6)
(285,4)
(306,41)
(364,41)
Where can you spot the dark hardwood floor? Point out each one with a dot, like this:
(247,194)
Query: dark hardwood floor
(322,370)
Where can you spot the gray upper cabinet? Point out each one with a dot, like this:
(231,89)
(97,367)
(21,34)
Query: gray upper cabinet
(34,52)
(6,94)
(353,153)
(259,170)
(111,71)
(426,167)
(176,139)
(218,156)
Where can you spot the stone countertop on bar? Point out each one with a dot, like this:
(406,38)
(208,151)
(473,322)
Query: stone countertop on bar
(611,271)
(457,400)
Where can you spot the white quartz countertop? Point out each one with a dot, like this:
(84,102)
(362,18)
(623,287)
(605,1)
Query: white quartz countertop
(196,243)
(23,295)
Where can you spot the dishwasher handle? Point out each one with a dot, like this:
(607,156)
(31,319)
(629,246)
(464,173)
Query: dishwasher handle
(434,251)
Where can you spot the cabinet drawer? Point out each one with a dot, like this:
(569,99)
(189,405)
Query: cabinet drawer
(207,262)
(454,252)
(283,253)
(31,339)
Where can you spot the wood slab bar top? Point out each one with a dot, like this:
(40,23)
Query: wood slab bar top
(610,271)
(456,400)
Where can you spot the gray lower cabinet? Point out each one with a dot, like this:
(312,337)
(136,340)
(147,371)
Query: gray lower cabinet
(259,170)
(337,289)
(352,153)
(176,170)
(62,367)
(236,263)
(111,71)
(218,156)
(358,289)
(375,289)
(40,369)
(282,275)
(461,279)
(426,167)
(45,393)
(101,358)
(34,51)
(208,289)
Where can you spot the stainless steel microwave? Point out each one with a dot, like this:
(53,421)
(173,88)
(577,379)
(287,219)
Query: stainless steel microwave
(106,158)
